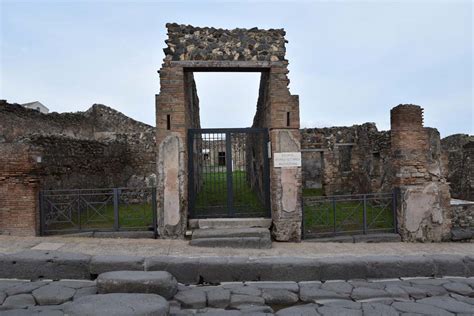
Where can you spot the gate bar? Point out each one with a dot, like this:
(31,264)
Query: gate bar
(228,164)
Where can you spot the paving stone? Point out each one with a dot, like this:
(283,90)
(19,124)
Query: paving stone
(289,286)
(340,303)
(75,284)
(338,287)
(253,309)
(461,298)
(367,284)
(3,296)
(379,300)
(90,290)
(428,281)
(19,301)
(360,293)
(101,264)
(155,282)
(311,294)
(40,264)
(301,310)
(45,308)
(279,297)
(377,309)
(459,288)
(432,290)
(414,292)
(246,290)
(26,312)
(447,303)
(339,311)
(194,298)
(25,288)
(52,294)
(186,270)
(119,304)
(423,309)
(219,298)
(396,291)
(6,284)
(238,299)
(219,312)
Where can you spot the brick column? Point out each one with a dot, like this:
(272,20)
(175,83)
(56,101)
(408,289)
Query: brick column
(19,191)
(282,117)
(423,208)
(171,126)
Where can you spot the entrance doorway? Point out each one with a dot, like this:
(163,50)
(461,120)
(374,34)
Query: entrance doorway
(228,173)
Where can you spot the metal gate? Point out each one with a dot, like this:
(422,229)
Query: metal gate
(228,173)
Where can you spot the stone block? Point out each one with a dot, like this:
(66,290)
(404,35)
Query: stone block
(219,298)
(101,264)
(19,301)
(279,297)
(287,269)
(36,264)
(234,242)
(186,270)
(193,298)
(119,305)
(154,282)
(343,268)
(449,265)
(53,294)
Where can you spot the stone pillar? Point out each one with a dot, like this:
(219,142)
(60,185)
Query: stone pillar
(282,117)
(423,208)
(171,126)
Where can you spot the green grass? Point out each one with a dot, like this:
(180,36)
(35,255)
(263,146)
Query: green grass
(319,217)
(312,192)
(130,216)
(212,197)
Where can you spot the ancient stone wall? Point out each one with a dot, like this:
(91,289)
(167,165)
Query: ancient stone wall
(460,151)
(424,200)
(19,188)
(100,147)
(347,160)
(186,42)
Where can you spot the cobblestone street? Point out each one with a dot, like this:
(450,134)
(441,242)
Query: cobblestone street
(407,296)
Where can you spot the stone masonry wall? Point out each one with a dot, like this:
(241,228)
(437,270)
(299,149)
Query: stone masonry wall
(424,201)
(347,160)
(100,147)
(19,188)
(460,151)
(186,42)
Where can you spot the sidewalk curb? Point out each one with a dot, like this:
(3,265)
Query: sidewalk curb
(36,264)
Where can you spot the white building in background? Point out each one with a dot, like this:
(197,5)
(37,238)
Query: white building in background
(36,105)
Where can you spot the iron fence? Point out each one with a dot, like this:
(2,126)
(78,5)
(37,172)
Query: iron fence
(326,216)
(83,210)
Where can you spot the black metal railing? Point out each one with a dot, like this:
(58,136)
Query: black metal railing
(83,210)
(326,216)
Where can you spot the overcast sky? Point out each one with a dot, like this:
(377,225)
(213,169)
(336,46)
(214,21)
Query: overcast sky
(350,61)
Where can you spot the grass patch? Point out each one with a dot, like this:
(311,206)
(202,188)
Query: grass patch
(312,192)
(321,217)
(212,196)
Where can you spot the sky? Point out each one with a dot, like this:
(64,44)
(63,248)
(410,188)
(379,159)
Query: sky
(350,61)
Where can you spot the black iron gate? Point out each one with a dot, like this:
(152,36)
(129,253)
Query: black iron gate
(228,173)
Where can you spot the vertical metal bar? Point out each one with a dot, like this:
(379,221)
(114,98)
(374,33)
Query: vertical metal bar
(191,193)
(228,163)
(394,210)
(79,211)
(116,209)
(302,219)
(364,215)
(334,215)
(154,210)
(266,173)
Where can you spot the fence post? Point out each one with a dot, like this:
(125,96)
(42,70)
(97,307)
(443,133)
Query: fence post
(364,215)
(79,210)
(334,213)
(394,210)
(116,209)
(154,210)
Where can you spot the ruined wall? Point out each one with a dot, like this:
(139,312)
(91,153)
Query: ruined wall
(186,42)
(100,147)
(424,201)
(347,160)
(461,165)
(19,188)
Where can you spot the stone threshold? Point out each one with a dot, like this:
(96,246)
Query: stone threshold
(39,264)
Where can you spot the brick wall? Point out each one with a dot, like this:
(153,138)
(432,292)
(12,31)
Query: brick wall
(19,185)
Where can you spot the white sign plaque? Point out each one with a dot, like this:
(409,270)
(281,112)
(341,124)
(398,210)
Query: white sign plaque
(292,159)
